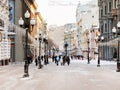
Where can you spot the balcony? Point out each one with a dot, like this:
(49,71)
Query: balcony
(114,12)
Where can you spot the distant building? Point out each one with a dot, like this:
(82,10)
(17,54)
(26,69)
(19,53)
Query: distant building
(58,35)
(87,18)
(70,36)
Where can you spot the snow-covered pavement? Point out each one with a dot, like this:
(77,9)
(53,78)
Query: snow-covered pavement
(78,76)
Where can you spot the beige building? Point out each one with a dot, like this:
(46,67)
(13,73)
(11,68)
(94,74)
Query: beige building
(84,43)
(18,46)
(93,43)
(87,17)
(70,37)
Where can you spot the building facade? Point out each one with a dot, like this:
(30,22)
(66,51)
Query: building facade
(4,39)
(70,36)
(87,18)
(16,9)
(109,14)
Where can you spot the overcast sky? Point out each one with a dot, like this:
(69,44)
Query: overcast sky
(58,12)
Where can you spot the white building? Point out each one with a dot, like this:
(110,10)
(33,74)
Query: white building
(4,41)
(87,17)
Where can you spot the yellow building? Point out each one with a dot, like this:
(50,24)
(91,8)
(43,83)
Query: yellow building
(22,6)
(34,14)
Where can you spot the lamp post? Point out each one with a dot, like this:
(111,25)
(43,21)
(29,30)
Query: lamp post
(66,45)
(40,39)
(88,43)
(99,39)
(53,51)
(27,24)
(45,49)
(88,51)
(53,56)
(118,33)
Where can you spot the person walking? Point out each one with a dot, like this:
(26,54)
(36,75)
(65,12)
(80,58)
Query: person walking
(64,60)
(36,61)
(68,60)
(42,57)
(52,58)
(57,59)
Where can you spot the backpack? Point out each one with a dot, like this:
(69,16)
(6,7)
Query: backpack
(57,58)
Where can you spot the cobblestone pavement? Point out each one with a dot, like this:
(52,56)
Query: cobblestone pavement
(78,76)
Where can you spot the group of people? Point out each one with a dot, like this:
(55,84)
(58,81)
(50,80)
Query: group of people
(61,59)
(41,59)
(58,59)
(79,57)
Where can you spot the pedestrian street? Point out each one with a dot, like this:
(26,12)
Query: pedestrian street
(77,76)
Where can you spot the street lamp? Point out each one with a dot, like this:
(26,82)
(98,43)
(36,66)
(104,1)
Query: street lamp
(45,40)
(47,51)
(40,39)
(88,51)
(27,24)
(118,33)
(53,56)
(100,38)
(65,46)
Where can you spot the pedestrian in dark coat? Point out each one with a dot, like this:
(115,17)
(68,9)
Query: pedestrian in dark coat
(42,57)
(64,59)
(36,61)
(53,58)
(68,60)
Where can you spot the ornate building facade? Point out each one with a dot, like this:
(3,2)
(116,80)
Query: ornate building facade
(10,31)
(109,15)
(4,40)
(87,19)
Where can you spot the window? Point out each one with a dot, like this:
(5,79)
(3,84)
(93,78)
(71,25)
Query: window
(101,12)
(105,10)
(115,4)
(105,29)
(109,6)
(101,29)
